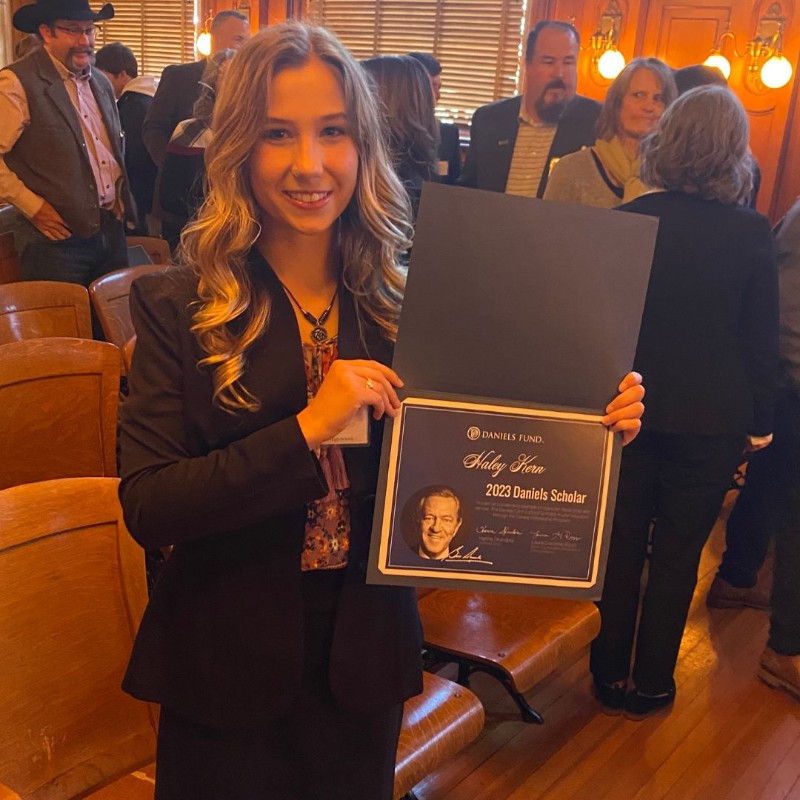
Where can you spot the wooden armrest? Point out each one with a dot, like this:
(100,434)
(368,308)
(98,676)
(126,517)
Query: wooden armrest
(8,794)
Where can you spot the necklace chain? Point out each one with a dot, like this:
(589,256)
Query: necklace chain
(318,332)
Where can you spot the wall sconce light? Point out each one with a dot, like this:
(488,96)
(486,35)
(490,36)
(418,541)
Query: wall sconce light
(606,57)
(203,43)
(766,66)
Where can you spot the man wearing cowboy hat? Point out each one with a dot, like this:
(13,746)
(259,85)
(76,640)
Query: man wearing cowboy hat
(61,148)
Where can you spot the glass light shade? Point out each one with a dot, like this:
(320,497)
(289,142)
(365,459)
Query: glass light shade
(716,59)
(776,72)
(610,64)
(203,43)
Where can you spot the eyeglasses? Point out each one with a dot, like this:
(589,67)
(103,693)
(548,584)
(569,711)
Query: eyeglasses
(89,31)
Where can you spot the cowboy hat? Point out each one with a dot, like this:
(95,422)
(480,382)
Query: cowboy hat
(28,18)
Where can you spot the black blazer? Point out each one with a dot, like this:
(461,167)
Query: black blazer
(493,133)
(173,102)
(221,640)
(141,169)
(708,345)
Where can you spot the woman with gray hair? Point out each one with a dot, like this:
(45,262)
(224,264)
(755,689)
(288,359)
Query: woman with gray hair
(607,173)
(709,331)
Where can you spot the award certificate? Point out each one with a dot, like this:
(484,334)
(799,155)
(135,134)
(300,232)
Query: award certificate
(495,496)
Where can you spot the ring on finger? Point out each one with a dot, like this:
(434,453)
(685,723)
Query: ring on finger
(369,384)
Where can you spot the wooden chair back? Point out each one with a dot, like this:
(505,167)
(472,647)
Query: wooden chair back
(58,409)
(154,246)
(40,309)
(74,590)
(109,295)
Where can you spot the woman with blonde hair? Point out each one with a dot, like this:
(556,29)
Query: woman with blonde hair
(279,671)
(607,173)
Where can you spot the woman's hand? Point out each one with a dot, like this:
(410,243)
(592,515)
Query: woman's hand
(348,386)
(624,412)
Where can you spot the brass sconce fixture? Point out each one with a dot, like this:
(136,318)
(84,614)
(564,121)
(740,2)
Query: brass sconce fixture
(203,43)
(607,60)
(766,67)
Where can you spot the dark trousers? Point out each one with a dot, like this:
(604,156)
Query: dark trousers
(779,487)
(315,751)
(75,260)
(764,500)
(679,480)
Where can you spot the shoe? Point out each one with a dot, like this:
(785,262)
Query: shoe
(610,697)
(781,672)
(725,595)
(640,706)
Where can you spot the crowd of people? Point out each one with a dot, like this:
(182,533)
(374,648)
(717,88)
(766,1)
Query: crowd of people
(288,177)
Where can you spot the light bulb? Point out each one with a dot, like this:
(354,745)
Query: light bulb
(716,59)
(610,64)
(204,43)
(776,72)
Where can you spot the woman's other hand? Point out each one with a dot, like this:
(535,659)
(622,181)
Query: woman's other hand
(624,412)
(348,387)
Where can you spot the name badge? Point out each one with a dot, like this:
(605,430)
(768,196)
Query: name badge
(356,434)
(443,167)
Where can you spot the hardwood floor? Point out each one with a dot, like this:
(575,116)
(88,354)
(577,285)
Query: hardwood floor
(729,737)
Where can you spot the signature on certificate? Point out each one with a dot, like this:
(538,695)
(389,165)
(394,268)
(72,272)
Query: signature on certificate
(555,536)
(458,554)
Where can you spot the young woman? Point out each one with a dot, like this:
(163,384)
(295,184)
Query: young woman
(279,671)
(607,173)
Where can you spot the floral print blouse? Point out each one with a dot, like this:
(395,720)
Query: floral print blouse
(327,536)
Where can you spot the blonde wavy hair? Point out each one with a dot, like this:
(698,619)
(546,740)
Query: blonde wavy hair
(375,228)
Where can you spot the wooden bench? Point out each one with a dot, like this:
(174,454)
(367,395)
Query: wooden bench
(518,639)
(437,724)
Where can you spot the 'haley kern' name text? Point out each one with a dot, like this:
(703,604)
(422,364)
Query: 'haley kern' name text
(493,463)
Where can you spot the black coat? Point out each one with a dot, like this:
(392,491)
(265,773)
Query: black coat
(708,345)
(493,133)
(174,100)
(141,168)
(221,639)
(450,151)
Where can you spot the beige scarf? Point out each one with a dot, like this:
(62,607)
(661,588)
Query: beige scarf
(621,167)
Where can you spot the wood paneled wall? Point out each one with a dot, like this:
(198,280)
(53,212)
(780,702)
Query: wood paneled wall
(261,12)
(682,32)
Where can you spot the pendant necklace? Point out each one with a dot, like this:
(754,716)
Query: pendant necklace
(318,332)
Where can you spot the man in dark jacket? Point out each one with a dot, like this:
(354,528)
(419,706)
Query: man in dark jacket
(514,143)
(768,507)
(180,84)
(134,95)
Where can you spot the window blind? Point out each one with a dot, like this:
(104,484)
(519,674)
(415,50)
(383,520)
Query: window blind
(159,33)
(476,41)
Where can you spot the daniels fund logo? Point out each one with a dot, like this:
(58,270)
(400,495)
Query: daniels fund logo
(473,433)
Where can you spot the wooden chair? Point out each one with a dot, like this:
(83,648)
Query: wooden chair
(9,264)
(58,409)
(73,593)
(155,247)
(40,309)
(109,295)
(437,724)
(518,639)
